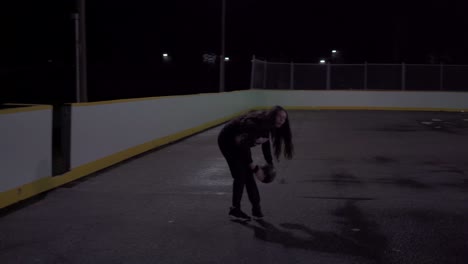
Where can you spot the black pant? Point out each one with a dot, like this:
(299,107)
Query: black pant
(239,165)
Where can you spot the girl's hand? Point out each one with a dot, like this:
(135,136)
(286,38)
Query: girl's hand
(261,140)
(240,138)
(260,175)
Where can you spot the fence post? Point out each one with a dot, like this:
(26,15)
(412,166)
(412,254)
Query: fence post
(403,76)
(365,75)
(265,75)
(252,73)
(328,75)
(291,75)
(441,76)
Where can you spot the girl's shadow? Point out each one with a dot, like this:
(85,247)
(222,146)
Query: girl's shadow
(314,240)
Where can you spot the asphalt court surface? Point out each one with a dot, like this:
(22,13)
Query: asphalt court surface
(363,187)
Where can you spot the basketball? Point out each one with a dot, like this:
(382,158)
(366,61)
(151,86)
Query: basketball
(266,174)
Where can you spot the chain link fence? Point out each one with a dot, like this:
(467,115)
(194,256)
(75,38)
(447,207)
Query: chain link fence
(307,76)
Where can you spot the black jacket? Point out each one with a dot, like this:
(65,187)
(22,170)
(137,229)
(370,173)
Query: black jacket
(248,130)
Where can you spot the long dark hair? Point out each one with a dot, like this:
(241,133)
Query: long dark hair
(282,136)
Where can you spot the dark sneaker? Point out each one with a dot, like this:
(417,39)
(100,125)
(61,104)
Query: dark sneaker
(237,214)
(257,213)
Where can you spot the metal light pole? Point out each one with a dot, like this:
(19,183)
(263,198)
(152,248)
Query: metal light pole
(76,21)
(80,49)
(223,34)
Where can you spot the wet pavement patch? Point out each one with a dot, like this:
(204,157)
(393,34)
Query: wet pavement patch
(344,178)
(399,128)
(449,170)
(452,126)
(436,236)
(448,125)
(461,185)
(433,163)
(365,234)
(404,182)
(338,179)
(299,236)
(443,167)
(384,160)
(357,235)
(339,198)
(410,183)
(334,181)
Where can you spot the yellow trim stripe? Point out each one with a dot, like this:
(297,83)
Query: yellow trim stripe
(365,108)
(48,183)
(143,99)
(371,108)
(24,109)
(369,90)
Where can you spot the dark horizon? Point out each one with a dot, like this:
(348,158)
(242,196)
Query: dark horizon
(126,41)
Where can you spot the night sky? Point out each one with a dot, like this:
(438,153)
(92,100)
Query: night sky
(127,38)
